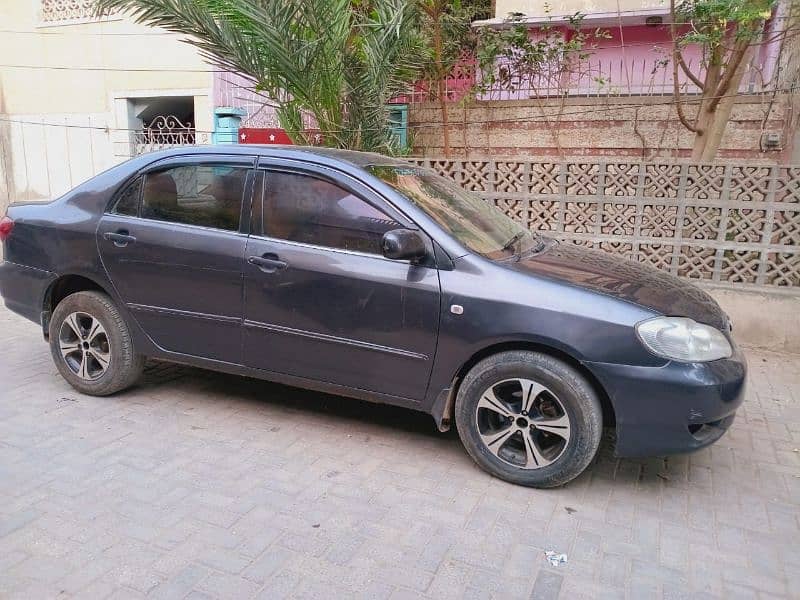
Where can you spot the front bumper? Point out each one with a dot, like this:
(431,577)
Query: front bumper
(679,407)
(23,289)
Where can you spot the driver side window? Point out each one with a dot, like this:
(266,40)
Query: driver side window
(305,209)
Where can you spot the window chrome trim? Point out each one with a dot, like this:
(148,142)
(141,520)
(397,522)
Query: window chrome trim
(266,238)
(176,224)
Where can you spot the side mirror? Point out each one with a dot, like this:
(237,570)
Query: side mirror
(403,244)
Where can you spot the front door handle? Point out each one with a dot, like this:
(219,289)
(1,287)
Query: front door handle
(269,263)
(120,238)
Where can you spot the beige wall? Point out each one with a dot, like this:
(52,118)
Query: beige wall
(570,7)
(765,320)
(59,123)
(111,45)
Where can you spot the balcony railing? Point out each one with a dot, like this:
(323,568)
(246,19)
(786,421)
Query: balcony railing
(59,11)
(164,132)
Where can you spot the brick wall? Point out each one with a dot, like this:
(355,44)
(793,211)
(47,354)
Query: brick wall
(637,127)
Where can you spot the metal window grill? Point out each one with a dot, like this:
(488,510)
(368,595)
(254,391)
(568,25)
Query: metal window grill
(163,132)
(66,10)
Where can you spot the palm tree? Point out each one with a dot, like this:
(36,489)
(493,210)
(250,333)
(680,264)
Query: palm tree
(339,61)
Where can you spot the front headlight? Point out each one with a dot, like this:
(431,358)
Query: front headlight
(679,338)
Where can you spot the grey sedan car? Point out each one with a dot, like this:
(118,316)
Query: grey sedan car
(369,277)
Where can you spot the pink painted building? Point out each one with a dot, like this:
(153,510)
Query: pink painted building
(632,58)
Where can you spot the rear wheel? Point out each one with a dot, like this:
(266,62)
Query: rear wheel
(529,418)
(91,345)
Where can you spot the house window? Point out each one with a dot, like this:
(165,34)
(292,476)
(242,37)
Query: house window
(163,122)
(57,11)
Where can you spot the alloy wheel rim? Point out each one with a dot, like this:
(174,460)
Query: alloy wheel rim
(84,346)
(523,423)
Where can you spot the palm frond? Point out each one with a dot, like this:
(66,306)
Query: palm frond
(339,61)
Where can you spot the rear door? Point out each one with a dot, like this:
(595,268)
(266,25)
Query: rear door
(173,244)
(321,302)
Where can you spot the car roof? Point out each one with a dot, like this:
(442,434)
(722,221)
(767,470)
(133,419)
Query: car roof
(358,159)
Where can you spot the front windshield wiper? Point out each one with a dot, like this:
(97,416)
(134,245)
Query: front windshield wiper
(517,237)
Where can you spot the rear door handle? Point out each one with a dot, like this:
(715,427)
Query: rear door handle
(269,263)
(120,238)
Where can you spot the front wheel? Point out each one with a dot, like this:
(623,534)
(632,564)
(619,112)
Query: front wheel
(91,345)
(529,418)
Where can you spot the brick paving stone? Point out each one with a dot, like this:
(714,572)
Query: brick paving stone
(201,485)
(181,583)
(228,586)
(547,585)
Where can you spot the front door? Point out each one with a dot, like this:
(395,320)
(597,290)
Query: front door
(321,302)
(173,250)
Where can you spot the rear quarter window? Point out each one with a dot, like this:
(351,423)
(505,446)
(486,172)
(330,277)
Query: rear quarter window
(128,201)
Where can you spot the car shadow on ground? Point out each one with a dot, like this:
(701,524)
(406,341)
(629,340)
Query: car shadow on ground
(295,399)
(353,414)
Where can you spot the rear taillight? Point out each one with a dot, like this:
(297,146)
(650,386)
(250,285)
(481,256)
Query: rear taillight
(6,225)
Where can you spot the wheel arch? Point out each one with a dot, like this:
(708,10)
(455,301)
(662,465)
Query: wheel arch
(62,287)
(444,406)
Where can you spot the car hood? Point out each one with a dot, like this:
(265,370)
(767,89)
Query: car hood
(624,279)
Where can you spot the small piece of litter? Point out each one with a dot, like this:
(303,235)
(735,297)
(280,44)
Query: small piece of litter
(796,450)
(570,510)
(554,558)
(663,476)
(315,525)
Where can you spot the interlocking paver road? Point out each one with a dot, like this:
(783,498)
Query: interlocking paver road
(200,485)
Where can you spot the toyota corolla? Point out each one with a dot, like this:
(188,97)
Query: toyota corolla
(372,278)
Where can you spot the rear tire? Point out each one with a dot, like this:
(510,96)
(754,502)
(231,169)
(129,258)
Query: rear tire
(528,418)
(91,345)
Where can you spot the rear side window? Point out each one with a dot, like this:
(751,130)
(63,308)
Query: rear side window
(305,209)
(205,195)
(128,201)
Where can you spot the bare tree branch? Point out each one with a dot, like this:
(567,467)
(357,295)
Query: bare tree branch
(675,84)
(734,63)
(694,78)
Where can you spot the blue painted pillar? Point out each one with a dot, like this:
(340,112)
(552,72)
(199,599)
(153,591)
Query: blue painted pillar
(398,123)
(227,121)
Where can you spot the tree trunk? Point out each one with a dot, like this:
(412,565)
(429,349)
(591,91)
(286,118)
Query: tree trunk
(716,126)
(713,117)
(702,122)
(705,109)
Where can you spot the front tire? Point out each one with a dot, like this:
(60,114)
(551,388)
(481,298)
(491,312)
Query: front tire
(91,345)
(528,418)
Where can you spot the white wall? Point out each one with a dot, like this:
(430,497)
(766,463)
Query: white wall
(43,156)
(536,8)
(73,77)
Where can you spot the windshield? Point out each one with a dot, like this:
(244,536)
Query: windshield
(468,218)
